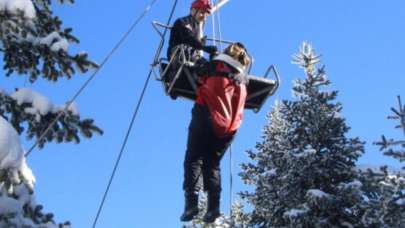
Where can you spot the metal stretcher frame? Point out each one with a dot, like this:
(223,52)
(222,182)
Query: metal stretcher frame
(184,82)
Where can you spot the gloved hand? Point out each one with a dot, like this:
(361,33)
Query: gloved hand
(212,50)
(204,40)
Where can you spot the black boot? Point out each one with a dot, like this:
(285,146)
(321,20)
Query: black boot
(191,207)
(213,208)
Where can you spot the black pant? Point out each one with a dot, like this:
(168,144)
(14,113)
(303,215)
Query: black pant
(204,153)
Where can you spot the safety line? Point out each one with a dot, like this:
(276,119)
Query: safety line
(131,124)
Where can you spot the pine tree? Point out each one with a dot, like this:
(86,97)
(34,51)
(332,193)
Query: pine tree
(304,171)
(385,190)
(18,207)
(34,43)
(391,147)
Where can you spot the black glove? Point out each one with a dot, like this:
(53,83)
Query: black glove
(204,40)
(212,50)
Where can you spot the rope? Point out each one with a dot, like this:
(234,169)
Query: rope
(86,83)
(230,184)
(213,24)
(218,15)
(218,19)
(138,105)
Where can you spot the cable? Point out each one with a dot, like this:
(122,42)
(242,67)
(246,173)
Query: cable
(213,24)
(218,15)
(130,126)
(230,183)
(86,83)
(218,19)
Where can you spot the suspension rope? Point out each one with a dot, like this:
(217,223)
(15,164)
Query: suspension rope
(213,2)
(86,83)
(230,183)
(218,22)
(218,15)
(138,105)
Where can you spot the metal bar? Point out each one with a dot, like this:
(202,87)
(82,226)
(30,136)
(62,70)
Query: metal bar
(157,23)
(190,79)
(220,41)
(168,65)
(274,69)
(258,93)
(219,5)
(175,78)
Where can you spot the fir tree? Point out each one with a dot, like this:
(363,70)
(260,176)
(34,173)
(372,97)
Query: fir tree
(385,190)
(18,207)
(303,171)
(34,43)
(391,147)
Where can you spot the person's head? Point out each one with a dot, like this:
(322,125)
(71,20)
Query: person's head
(200,9)
(238,52)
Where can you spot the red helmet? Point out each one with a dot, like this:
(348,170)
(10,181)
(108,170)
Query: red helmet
(204,5)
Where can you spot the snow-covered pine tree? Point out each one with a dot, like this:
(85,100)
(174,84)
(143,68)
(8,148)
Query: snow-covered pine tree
(303,171)
(391,147)
(384,190)
(33,43)
(18,207)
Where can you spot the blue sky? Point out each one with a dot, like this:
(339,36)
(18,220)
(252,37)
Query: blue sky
(362,46)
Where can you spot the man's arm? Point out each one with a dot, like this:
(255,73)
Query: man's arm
(186,35)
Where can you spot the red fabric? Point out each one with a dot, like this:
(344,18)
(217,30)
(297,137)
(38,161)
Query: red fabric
(201,4)
(225,100)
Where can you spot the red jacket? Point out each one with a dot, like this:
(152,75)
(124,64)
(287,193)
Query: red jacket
(224,97)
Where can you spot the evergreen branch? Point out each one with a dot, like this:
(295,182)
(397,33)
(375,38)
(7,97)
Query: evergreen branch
(39,46)
(387,145)
(65,130)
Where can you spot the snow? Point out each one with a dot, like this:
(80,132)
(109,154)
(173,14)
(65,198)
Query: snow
(317,193)
(55,42)
(14,199)
(14,209)
(365,198)
(12,155)
(40,103)
(9,205)
(295,212)
(305,153)
(400,202)
(14,6)
(271,172)
(62,44)
(73,108)
(354,184)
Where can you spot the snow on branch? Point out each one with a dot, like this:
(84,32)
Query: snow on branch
(34,43)
(16,7)
(12,156)
(18,207)
(34,109)
(306,58)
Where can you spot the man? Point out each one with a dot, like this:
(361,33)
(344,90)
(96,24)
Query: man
(187,31)
(216,117)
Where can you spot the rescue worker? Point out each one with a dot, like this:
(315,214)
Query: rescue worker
(216,116)
(188,30)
